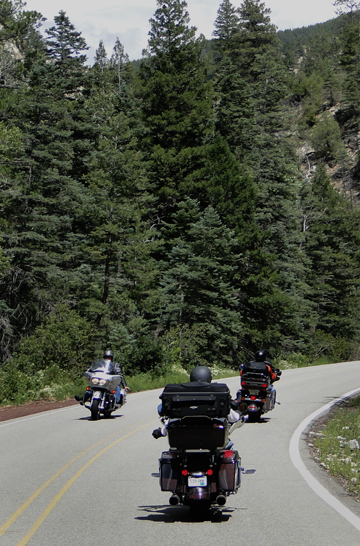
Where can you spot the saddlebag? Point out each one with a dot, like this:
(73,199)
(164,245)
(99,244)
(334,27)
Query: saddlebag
(229,470)
(169,470)
(196,398)
(197,433)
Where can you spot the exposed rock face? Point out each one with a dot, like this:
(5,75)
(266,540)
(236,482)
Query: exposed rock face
(345,174)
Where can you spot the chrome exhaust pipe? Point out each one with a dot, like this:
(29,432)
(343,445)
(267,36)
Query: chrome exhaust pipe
(221,500)
(174,500)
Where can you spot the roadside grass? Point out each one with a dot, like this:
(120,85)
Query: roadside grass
(336,443)
(145,381)
(18,387)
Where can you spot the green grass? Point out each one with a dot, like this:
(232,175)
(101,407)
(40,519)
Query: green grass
(336,443)
(17,388)
(145,381)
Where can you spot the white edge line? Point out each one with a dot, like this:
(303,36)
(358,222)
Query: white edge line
(322,492)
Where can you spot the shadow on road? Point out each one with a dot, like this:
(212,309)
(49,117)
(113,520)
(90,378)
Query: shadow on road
(183,514)
(102,418)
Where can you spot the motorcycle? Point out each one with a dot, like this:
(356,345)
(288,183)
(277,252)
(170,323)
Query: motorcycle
(257,394)
(99,396)
(200,469)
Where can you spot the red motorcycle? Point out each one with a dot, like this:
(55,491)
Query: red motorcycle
(257,393)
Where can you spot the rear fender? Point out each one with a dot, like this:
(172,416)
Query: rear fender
(198,494)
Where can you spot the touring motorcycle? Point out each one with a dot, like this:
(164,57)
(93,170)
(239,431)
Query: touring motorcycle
(99,396)
(257,393)
(200,468)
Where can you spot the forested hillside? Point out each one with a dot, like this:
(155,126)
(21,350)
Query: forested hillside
(188,208)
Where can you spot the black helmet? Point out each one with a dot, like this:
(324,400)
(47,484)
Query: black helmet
(201,373)
(260,356)
(108,354)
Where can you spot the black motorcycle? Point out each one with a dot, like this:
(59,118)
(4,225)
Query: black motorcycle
(257,394)
(199,469)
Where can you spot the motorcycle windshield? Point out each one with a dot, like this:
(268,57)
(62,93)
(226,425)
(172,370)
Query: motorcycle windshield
(105,366)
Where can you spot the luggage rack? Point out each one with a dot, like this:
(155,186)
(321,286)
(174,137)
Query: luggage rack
(255,374)
(254,380)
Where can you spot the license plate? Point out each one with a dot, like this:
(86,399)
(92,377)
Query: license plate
(253,392)
(197,482)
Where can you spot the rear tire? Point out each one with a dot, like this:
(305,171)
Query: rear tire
(199,509)
(95,413)
(254,417)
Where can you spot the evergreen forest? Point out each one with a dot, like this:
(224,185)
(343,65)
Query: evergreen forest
(187,208)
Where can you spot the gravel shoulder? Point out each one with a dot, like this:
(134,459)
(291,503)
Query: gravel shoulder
(30,408)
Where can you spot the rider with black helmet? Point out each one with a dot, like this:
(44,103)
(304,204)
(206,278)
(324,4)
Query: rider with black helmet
(261,356)
(201,373)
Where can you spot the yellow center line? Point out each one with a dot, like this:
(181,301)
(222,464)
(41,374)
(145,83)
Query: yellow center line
(62,492)
(5,526)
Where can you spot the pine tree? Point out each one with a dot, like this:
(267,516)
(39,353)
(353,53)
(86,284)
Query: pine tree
(116,283)
(331,229)
(176,105)
(350,55)
(226,24)
(198,299)
(44,198)
(101,61)
(252,87)
(120,62)
(118,244)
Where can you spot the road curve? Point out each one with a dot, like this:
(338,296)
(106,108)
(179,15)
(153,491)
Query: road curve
(66,480)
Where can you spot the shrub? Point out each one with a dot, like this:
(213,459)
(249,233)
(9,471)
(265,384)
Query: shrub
(64,341)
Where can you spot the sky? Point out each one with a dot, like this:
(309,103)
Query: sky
(128,20)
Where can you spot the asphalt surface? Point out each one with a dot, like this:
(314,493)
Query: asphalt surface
(67,480)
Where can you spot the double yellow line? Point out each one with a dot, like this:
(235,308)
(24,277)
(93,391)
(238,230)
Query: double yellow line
(55,500)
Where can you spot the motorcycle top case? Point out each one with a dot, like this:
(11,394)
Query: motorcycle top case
(255,374)
(195,398)
(256,367)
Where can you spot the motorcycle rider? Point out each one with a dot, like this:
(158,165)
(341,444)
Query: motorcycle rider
(202,374)
(116,369)
(261,356)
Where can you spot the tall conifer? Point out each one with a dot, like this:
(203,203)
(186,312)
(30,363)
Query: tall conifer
(46,191)
(176,105)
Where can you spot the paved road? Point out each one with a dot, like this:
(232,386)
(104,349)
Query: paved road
(66,480)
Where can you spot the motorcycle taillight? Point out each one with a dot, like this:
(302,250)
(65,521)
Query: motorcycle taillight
(264,385)
(243,383)
(252,397)
(184,472)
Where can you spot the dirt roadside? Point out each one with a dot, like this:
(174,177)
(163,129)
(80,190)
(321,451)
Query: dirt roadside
(14,412)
